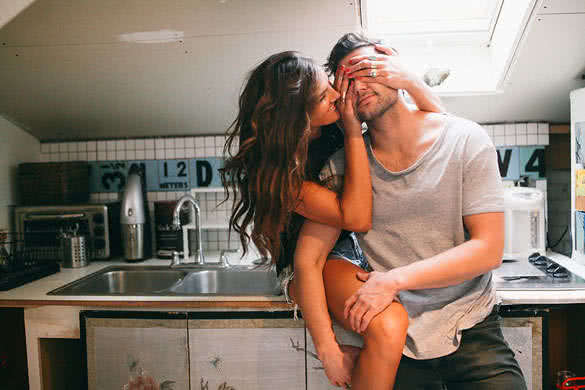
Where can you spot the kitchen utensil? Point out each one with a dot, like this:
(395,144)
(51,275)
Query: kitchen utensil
(74,249)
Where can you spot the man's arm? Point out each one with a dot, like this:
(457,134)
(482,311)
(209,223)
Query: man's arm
(482,253)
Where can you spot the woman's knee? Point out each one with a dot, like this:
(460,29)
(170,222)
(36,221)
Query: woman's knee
(388,328)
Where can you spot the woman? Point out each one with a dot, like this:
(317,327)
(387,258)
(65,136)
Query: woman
(286,131)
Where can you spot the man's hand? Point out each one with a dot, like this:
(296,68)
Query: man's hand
(346,104)
(377,293)
(384,68)
(339,364)
(141,382)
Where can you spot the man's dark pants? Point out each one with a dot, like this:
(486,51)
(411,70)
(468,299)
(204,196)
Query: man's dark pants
(483,361)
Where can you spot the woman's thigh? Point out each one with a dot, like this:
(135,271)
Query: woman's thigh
(341,282)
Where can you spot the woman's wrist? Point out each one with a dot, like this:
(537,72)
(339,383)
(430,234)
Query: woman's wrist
(327,349)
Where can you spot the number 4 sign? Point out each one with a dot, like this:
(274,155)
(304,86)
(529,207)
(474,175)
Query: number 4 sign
(521,161)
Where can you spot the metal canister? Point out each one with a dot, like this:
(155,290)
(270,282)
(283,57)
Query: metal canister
(74,251)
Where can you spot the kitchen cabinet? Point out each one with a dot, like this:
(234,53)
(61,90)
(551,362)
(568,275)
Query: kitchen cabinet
(209,351)
(249,352)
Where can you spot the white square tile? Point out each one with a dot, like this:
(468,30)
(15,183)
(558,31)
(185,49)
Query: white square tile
(500,140)
(74,156)
(91,146)
(532,139)
(111,155)
(169,143)
(499,130)
(199,152)
(532,128)
(209,141)
(219,140)
(72,147)
(522,139)
(63,147)
(510,129)
(91,156)
(180,153)
(149,154)
(218,150)
(82,146)
(45,148)
(45,157)
(120,155)
(199,142)
(54,157)
(180,143)
(140,155)
(521,128)
(189,142)
(130,144)
(189,152)
(130,154)
(489,130)
(102,155)
(160,154)
(159,143)
(111,145)
(542,128)
(139,144)
(149,143)
(543,139)
(101,145)
(53,147)
(510,139)
(120,144)
(93,197)
(209,151)
(170,153)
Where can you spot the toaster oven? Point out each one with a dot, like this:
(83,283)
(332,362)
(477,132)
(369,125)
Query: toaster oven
(39,228)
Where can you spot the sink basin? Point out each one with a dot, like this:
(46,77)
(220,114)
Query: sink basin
(164,281)
(221,282)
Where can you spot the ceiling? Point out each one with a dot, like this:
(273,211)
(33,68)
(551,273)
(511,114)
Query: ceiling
(66,72)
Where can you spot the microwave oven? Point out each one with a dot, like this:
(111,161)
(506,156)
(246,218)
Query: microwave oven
(39,228)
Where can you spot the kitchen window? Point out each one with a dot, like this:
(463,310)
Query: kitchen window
(473,41)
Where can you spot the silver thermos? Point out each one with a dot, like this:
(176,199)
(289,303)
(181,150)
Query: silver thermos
(133,219)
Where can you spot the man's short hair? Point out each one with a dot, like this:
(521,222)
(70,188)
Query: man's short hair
(345,45)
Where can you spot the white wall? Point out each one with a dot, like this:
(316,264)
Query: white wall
(16,146)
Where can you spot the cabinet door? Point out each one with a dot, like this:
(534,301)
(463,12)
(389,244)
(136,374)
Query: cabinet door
(247,354)
(524,336)
(117,348)
(316,378)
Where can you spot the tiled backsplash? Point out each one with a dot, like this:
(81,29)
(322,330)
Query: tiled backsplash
(517,134)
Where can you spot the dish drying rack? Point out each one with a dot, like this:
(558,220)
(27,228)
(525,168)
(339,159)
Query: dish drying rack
(19,264)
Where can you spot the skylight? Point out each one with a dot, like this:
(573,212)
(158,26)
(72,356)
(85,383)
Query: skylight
(473,41)
(432,17)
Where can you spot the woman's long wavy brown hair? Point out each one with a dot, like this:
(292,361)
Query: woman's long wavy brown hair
(272,130)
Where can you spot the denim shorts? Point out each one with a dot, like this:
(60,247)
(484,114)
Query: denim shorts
(348,248)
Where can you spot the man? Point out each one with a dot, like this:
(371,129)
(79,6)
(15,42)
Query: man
(434,177)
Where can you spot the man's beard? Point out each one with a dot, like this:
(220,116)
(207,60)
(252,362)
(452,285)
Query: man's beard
(382,106)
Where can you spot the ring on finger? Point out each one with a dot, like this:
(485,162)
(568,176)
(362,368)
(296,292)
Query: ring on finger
(373,73)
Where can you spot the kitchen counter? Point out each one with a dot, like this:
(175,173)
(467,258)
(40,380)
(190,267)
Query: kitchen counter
(35,293)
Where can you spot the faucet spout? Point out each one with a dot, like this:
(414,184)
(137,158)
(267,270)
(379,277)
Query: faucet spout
(189,256)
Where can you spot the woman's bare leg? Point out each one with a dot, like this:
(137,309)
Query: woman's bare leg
(383,339)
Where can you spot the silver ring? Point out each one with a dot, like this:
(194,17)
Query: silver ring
(373,73)
(372,58)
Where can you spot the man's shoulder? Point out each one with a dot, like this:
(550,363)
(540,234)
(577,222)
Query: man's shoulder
(466,130)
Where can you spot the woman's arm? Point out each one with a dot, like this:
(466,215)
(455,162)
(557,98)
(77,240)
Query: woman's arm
(352,210)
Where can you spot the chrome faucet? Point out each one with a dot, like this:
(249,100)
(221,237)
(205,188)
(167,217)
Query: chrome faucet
(196,259)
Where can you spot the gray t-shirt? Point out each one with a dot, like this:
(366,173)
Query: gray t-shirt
(418,213)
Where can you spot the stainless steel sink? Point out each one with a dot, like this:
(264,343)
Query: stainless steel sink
(164,281)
